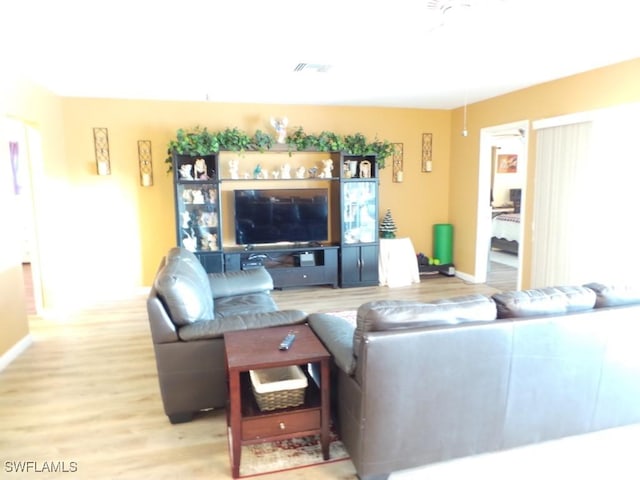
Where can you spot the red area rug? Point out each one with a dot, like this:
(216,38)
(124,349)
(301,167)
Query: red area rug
(270,457)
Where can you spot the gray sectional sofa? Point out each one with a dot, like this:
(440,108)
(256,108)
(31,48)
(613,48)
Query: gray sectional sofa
(418,383)
(189,311)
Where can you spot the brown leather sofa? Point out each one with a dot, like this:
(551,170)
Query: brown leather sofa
(189,311)
(419,383)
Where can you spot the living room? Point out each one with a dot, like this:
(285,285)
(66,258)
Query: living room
(119,230)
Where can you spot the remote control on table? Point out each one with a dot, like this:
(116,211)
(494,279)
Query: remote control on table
(287,341)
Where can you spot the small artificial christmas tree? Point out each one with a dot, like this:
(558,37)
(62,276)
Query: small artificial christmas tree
(387,226)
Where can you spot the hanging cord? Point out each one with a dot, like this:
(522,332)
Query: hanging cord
(465,132)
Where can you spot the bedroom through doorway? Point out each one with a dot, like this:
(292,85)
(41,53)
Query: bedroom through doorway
(502,182)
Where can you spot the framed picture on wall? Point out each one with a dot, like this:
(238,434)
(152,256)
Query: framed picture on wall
(507,163)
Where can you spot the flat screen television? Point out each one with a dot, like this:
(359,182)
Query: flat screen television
(298,215)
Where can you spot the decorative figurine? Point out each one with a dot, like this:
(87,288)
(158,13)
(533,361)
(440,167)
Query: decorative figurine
(200,169)
(189,242)
(257,172)
(213,242)
(300,172)
(327,168)
(185,171)
(365,169)
(198,197)
(186,218)
(275,174)
(280,126)
(345,170)
(286,170)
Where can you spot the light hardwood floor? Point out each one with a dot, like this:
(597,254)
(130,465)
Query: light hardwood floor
(86,392)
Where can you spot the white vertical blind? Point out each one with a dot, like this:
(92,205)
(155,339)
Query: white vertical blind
(560,151)
(587,199)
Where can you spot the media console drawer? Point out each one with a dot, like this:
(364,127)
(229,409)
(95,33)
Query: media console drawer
(289,277)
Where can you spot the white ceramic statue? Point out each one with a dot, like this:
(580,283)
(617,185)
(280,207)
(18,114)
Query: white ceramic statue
(185,171)
(327,168)
(300,172)
(198,197)
(186,218)
(280,126)
(286,170)
(189,242)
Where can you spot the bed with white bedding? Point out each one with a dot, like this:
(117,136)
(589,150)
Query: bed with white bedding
(505,232)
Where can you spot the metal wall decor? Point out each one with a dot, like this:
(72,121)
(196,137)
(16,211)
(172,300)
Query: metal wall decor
(427,145)
(398,162)
(101,145)
(144,160)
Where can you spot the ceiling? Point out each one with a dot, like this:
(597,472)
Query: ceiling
(402,53)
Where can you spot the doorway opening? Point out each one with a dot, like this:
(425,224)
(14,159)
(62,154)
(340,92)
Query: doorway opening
(501,196)
(24,146)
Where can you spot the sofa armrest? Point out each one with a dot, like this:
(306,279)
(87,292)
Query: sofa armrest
(337,336)
(229,284)
(218,327)
(163,329)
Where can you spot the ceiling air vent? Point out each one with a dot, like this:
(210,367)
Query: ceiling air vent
(312,67)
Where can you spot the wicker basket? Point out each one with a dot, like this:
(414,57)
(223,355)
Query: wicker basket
(279,387)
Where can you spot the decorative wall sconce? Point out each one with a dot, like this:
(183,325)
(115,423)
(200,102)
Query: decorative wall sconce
(144,161)
(398,162)
(101,145)
(427,145)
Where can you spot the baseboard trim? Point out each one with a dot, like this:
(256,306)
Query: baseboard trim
(15,351)
(466,277)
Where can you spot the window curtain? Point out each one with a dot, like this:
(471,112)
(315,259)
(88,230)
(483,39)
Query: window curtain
(586,202)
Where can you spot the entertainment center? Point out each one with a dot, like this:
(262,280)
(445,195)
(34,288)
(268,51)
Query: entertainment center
(317,226)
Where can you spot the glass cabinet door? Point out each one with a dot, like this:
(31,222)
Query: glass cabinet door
(359,215)
(198,216)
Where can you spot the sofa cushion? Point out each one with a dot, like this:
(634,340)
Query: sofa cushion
(218,327)
(544,301)
(401,314)
(336,334)
(614,295)
(183,286)
(240,283)
(244,304)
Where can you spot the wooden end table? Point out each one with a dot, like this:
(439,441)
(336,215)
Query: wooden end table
(257,349)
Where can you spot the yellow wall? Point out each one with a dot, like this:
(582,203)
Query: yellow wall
(40,110)
(99,236)
(599,88)
(130,227)
(13,319)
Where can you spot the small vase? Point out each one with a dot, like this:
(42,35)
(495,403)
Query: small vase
(353,168)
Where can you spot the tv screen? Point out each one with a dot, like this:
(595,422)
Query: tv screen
(281,215)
